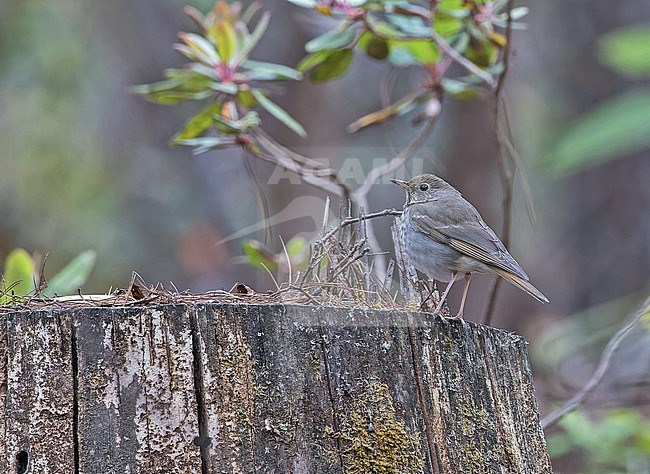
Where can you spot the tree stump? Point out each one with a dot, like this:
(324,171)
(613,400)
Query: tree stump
(236,388)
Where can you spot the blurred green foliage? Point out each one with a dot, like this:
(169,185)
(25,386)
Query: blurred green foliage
(21,276)
(616,442)
(618,126)
(295,255)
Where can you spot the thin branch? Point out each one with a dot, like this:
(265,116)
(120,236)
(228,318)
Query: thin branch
(399,160)
(506,50)
(310,170)
(505,175)
(605,360)
(354,220)
(463,61)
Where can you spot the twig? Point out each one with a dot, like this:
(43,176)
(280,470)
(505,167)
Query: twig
(605,360)
(399,160)
(462,60)
(354,220)
(310,170)
(504,174)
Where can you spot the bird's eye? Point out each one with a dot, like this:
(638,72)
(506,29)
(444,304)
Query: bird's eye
(424,187)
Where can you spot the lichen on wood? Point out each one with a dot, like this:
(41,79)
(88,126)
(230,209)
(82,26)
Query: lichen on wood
(236,388)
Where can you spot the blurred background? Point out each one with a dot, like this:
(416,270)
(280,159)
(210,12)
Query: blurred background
(86,165)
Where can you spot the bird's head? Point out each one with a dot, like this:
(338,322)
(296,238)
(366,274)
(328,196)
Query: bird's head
(422,188)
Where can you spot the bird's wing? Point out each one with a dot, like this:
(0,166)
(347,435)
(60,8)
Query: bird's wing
(465,231)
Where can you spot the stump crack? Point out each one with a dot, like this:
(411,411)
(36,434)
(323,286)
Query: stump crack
(431,445)
(202,440)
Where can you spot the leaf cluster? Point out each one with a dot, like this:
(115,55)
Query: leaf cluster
(221,73)
(22,277)
(429,35)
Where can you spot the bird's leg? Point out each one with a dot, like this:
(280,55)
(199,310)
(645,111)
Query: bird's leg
(468,277)
(444,295)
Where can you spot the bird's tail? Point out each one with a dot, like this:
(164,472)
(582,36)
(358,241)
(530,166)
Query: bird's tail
(521,284)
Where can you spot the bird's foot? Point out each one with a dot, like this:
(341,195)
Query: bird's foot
(459,317)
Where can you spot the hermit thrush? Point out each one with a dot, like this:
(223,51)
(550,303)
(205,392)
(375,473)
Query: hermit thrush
(445,237)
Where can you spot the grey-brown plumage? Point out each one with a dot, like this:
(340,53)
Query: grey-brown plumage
(445,237)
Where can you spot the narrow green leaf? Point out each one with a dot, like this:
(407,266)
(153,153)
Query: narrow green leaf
(171,97)
(278,112)
(332,40)
(460,90)
(334,66)
(198,124)
(627,50)
(251,41)
(202,47)
(19,272)
(422,51)
(611,130)
(402,106)
(72,276)
(312,60)
(204,144)
(258,255)
(225,87)
(225,40)
(275,71)
(518,13)
(305,3)
(410,25)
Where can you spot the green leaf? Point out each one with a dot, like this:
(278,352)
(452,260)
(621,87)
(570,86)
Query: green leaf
(460,90)
(374,46)
(305,3)
(312,60)
(448,19)
(410,25)
(198,124)
(278,112)
(258,255)
(73,275)
(247,99)
(225,39)
(297,246)
(171,97)
(225,87)
(334,66)
(518,13)
(611,130)
(627,50)
(422,51)
(204,144)
(202,47)
(18,274)
(332,40)
(251,41)
(401,107)
(274,71)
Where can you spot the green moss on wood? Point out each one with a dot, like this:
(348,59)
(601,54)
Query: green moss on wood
(373,440)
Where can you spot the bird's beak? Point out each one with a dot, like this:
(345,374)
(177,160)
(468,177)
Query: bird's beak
(400,183)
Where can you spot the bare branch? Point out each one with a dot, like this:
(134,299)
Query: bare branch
(462,60)
(311,171)
(505,175)
(354,220)
(605,360)
(399,160)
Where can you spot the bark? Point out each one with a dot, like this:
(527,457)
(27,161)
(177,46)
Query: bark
(223,388)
